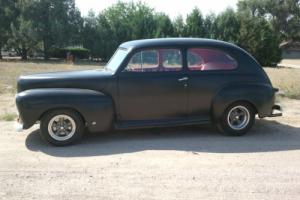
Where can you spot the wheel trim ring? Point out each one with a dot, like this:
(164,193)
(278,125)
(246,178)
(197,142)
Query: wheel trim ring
(245,121)
(68,135)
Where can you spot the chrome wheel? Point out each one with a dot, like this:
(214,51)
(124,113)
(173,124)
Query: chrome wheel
(61,127)
(238,117)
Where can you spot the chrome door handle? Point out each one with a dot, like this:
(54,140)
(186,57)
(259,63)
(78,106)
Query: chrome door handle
(183,79)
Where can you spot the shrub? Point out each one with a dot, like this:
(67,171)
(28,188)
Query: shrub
(80,53)
(258,38)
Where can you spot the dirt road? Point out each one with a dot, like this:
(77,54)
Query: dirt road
(175,163)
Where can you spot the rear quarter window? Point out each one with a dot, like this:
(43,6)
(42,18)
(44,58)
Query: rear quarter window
(205,59)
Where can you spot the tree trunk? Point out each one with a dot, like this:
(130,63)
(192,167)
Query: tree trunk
(1,52)
(24,54)
(46,49)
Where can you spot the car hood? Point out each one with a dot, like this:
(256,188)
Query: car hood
(87,79)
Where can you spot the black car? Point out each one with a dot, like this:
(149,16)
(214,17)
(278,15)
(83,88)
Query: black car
(151,83)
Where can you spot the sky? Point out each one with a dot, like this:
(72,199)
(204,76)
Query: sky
(171,7)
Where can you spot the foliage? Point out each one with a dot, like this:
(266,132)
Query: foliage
(80,53)
(210,26)
(30,26)
(283,14)
(58,23)
(91,37)
(227,26)
(179,26)
(24,36)
(194,24)
(163,26)
(257,36)
(7,15)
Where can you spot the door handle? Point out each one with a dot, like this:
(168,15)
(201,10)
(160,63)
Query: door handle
(183,79)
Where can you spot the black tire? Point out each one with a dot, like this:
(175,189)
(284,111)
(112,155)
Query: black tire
(224,123)
(77,132)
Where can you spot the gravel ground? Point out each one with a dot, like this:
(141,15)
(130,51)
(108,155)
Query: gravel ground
(174,163)
(291,63)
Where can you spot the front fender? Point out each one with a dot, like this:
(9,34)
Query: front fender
(96,108)
(261,96)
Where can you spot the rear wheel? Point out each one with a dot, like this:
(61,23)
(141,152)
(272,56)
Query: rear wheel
(61,127)
(237,119)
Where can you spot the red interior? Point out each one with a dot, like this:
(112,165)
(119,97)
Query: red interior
(211,59)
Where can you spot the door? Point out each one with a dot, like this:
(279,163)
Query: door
(153,86)
(209,69)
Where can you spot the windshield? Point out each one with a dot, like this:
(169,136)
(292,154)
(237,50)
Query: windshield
(116,59)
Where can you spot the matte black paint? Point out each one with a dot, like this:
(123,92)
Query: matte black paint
(33,103)
(132,100)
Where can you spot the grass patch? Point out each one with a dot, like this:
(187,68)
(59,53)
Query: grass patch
(9,117)
(10,71)
(287,80)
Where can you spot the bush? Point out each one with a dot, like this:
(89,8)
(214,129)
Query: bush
(258,38)
(80,53)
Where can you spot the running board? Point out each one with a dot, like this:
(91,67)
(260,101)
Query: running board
(137,124)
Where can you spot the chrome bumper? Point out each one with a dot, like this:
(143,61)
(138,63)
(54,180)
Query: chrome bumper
(276,111)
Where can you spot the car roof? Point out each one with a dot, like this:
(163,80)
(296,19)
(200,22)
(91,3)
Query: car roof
(146,43)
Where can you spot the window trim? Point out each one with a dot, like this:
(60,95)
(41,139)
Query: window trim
(210,71)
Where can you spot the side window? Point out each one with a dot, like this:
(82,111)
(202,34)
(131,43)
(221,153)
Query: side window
(171,59)
(143,60)
(157,60)
(204,59)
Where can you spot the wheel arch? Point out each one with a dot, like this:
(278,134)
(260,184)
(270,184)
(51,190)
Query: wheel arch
(260,97)
(218,112)
(61,108)
(96,108)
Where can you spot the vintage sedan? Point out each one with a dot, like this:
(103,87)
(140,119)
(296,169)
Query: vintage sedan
(151,83)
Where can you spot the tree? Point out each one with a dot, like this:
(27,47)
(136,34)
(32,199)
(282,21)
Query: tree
(141,21)
(23,35)
(179,26)
(106,44)
(257,36)
(7,15)
(58,23)
(283,14)
(123,22)
(90,36)
(226,26)
(254,7)
(164,26)
(210,26)
(194,24)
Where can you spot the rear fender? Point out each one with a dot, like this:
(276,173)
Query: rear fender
(260,96)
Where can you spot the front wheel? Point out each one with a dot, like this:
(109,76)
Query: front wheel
(61,127)
(237,119)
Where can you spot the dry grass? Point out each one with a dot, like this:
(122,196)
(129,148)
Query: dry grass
(287,80)
(8,110)
(10,71)
(9,117)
